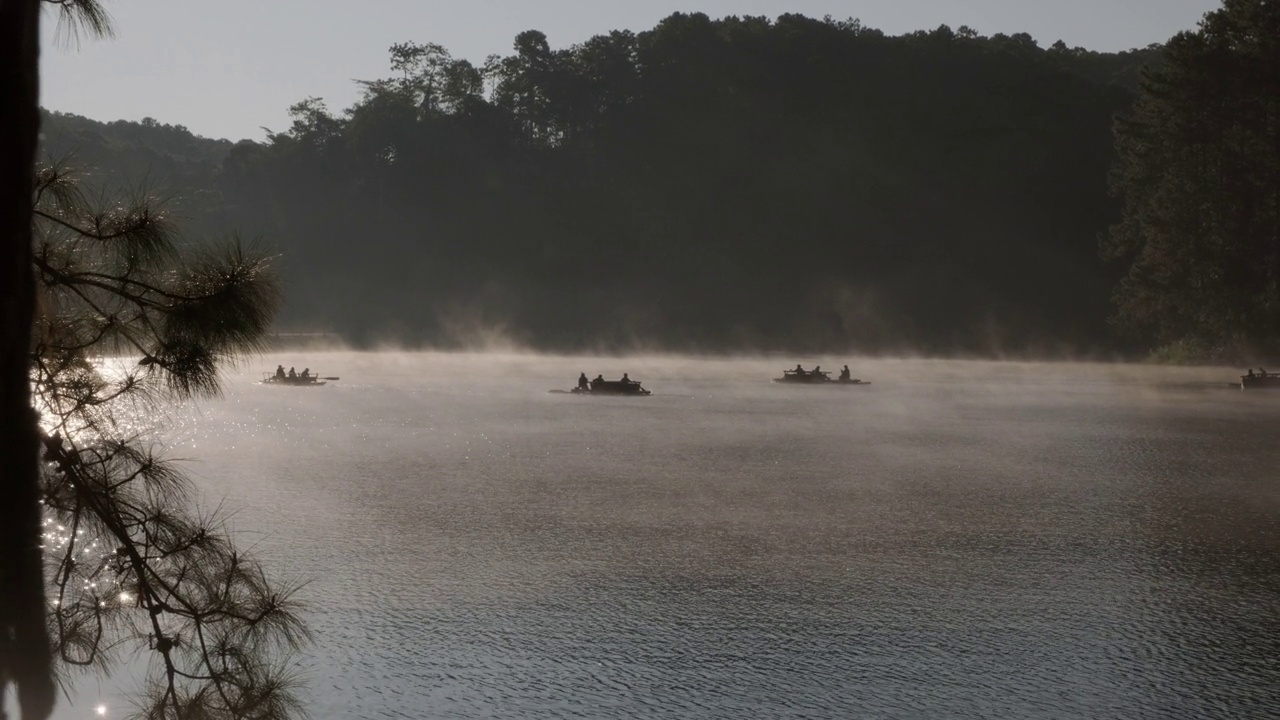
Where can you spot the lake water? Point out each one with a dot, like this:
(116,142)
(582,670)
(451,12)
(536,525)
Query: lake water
(958,539)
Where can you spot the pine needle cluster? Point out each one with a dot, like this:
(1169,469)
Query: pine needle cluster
(128,319)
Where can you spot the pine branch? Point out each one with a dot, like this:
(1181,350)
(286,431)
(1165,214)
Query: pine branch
(137,567)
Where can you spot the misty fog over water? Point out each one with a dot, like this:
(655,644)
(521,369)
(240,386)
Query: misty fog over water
(958,539)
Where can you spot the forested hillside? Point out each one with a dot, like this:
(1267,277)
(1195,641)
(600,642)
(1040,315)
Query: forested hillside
(712,184)
(144,157)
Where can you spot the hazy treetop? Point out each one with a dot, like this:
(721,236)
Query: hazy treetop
(226,69)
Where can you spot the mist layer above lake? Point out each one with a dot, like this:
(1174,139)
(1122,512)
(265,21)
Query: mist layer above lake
(957,539)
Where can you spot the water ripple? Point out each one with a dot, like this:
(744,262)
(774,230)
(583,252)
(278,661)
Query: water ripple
(955,540)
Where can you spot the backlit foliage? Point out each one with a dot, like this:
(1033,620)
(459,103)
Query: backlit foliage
(128,320)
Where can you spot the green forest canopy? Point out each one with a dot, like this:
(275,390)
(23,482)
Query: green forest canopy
(740,183)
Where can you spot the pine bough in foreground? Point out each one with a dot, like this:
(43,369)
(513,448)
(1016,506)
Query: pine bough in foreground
(132,568)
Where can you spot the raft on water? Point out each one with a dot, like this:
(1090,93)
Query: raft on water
(1261,380)
(296,381)
(816,377)
(608,387)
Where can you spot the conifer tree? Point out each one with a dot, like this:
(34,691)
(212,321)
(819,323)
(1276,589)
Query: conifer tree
(25,659)
(129,566)
(1199,174)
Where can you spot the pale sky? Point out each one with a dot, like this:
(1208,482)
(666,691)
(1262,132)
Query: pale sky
(226,68)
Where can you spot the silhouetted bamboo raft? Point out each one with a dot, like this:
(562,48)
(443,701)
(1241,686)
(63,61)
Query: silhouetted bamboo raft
(297,381)
(608,387)
(816,377)
(1261,380)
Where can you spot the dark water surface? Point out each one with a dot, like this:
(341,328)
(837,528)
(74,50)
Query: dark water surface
(956,540)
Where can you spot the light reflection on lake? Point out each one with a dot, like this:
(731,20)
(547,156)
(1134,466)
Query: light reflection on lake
(958,539)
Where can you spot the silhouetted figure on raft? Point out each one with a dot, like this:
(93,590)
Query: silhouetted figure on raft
(280,371)
(306,373)
(817,376)
(1260,379)
(600,386)
(292,373)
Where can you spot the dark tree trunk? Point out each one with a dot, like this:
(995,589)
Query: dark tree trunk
(24,644)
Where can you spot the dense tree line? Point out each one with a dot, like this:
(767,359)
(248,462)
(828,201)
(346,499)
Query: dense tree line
(740,182)
(734,183)
(1199,173)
